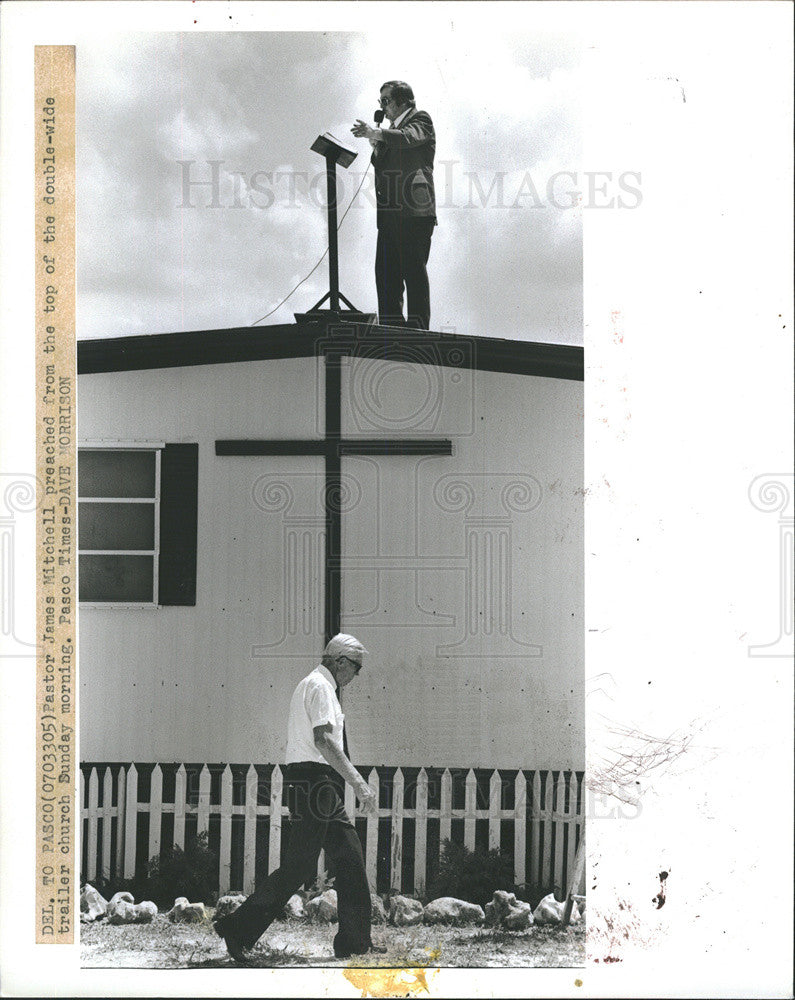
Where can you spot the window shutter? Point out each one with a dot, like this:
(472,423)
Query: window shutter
(179,491)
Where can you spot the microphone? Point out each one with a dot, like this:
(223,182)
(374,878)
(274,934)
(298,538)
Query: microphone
(378,117)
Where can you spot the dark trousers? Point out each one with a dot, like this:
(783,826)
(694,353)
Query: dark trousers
(318,820)
(402,251)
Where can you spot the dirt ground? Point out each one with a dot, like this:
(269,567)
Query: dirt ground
(163,945)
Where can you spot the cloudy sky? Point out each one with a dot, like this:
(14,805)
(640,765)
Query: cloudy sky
(506,259)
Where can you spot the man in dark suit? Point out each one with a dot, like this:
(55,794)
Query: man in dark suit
(403,162)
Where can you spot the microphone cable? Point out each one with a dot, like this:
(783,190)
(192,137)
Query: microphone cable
(320,261)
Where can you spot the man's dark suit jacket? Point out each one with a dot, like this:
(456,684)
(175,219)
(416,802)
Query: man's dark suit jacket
(403,162)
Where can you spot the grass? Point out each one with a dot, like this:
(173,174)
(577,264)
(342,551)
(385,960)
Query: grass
(163,945)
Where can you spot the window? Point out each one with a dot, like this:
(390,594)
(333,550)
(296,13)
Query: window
(137,524)
(118,525)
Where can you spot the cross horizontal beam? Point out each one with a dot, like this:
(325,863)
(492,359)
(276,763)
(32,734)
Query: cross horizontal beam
(342,446)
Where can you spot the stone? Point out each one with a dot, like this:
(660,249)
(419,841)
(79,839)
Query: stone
(449,910)
(122,909)
(323,908)
(147,911)
(294,908)
(505,910)
(519,918)
(121,897)
(580,901)
(377,909)
(550,911)
(492,918)
(93,905)
(184,912)
(228,904)
(177,909)
(502,902)
(404,911)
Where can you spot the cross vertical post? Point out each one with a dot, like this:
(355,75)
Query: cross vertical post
(333,492)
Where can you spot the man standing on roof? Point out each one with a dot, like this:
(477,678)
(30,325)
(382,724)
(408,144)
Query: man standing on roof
(315,755)
(406,215)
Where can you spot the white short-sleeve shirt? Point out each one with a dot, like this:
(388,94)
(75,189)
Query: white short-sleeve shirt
(314,703)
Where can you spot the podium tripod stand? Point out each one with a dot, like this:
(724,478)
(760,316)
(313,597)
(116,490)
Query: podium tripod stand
(334,153)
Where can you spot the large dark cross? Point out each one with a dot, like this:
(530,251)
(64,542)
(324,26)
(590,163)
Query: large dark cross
(333,446)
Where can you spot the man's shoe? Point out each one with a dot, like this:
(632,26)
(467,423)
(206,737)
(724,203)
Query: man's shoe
(374,949)
(234,945)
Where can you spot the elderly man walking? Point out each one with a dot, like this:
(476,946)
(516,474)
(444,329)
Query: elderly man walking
(403,162)
(314,757)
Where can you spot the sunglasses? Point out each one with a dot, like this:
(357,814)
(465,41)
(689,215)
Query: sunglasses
(383,101)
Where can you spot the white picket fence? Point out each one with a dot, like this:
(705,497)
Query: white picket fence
(546,815)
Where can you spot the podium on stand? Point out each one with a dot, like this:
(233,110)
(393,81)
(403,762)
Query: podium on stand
(334,152)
